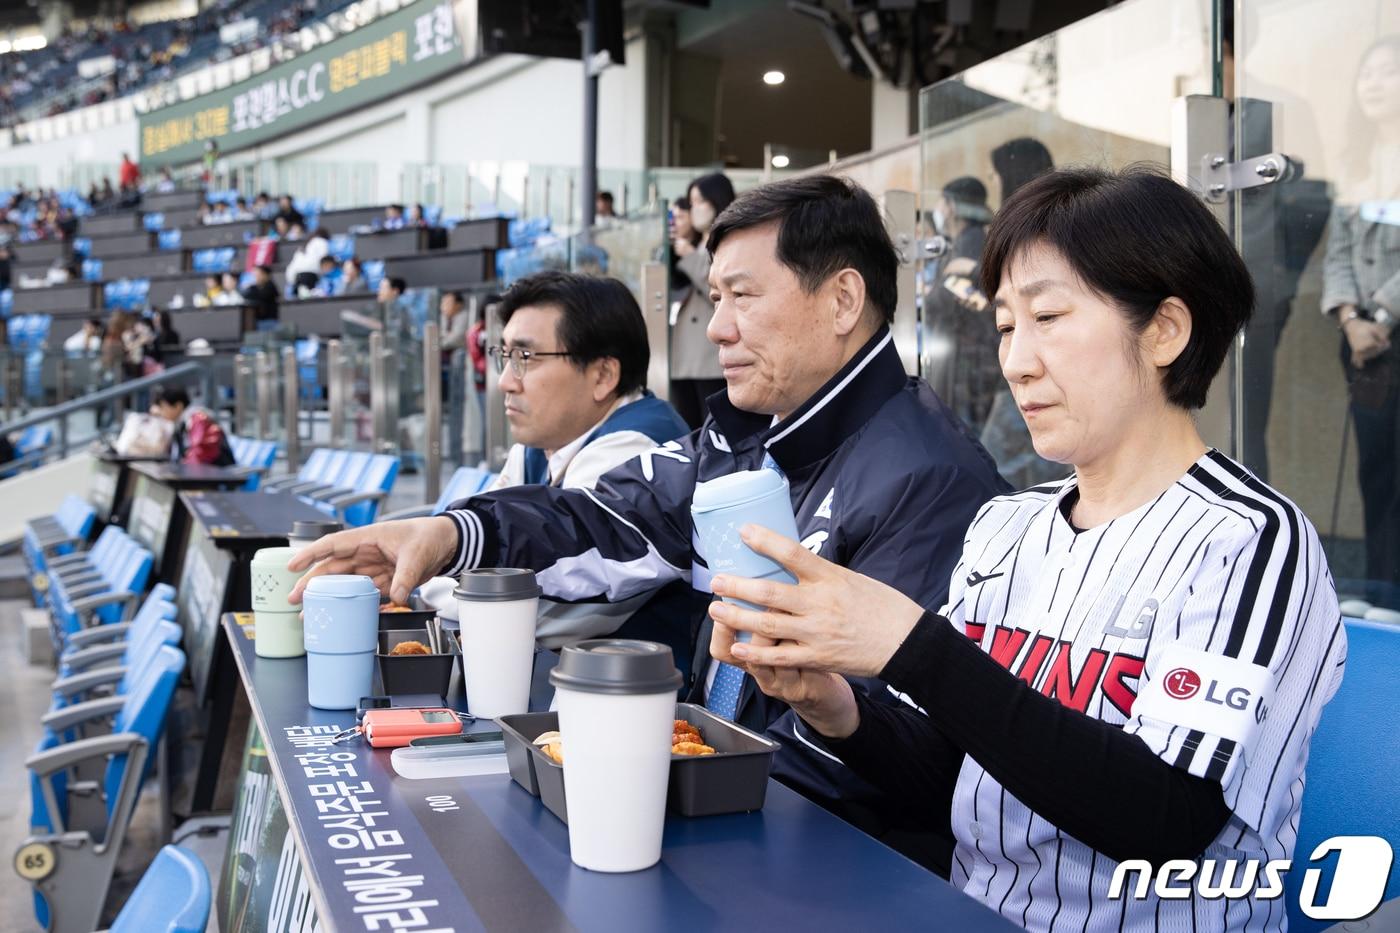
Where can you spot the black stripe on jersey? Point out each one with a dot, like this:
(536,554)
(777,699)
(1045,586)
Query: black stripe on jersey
(1268,504)
(1059,902)
(977,839)
(1089,898)
(1188,749)
(1030,886)
(1220,759)
(967,875)
(1001,844)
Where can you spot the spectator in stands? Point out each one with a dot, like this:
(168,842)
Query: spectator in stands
(329,280)
(129,174)
(262,295)
(228,291)
(352,279)
(695,369)
(573,368)
(303,270)
(108,193)
(295,232)
(241,211)
(86,342)
(391,291)
(113,349)
(603,206)
(218,213)
(197,437)
(4,266)
(417,217)
(167,338)
(263,206)
(166,184)
(455,322)
(393,218)
(287,213)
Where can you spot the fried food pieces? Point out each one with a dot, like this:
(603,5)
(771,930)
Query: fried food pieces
(685,740)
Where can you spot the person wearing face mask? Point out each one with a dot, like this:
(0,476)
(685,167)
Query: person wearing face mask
(962,345)
(695,369)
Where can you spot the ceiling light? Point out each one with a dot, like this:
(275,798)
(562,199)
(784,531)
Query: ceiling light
(774,77)
(780,161)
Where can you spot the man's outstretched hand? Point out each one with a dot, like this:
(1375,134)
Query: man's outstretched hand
(397,556)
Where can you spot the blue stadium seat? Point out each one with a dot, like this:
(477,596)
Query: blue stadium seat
(313,471)
(53,536)
(361,506)
(76,602)
(92,270)
(82,245)
(1354,761)
(373,270)
(154,222)
(253,453)
(173,897)
(111,670)
(29,449)
(169,239)
(89,828)
(7,301)
(342,246)
(463,482)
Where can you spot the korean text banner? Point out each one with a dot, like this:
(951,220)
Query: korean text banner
(377,60)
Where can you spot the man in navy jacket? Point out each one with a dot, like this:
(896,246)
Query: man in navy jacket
(884,479)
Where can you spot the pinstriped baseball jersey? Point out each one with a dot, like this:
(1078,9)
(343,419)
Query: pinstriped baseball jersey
(1205,623)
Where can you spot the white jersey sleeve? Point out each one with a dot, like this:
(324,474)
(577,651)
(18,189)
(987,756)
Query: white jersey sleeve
(1236,677)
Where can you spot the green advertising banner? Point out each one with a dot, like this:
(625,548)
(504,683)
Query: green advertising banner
(378,60)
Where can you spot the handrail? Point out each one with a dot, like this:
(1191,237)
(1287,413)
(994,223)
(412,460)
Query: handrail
(108,394)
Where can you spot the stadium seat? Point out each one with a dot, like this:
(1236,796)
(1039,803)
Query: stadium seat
(173,897)
(311,472)
(463,482)
(69,897)
(253,453)
(360,506)
(55,535)
(154,222)
(169,239)
(342,246)
(1354,761)
(373,270)
(92,270)
(109,596)
(110,670)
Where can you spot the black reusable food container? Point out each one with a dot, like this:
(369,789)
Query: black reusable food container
(732,780)
(413,673)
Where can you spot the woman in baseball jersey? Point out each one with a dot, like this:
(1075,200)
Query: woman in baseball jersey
(1132,660)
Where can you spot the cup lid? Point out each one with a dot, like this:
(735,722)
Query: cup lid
(315,529)
(735,489)
(497,584)
(273,556)
(342,585)
(616,666)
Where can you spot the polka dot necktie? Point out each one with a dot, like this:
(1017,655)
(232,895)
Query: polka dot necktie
(723,699)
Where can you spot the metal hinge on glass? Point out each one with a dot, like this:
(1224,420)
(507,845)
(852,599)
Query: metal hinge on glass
(1219,176)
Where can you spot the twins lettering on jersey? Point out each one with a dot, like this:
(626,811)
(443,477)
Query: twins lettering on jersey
(1113,673)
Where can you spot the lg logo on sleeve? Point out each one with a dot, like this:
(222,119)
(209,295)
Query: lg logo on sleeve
(1182,683)
(1358,878)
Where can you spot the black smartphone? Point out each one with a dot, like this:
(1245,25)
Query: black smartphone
(466,738)
(368,703)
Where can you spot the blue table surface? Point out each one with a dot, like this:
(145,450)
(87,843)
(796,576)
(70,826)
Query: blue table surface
(498,860)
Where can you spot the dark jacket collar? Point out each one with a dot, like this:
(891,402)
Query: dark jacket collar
(834,412)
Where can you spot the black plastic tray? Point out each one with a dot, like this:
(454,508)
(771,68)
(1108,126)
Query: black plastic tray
(413,618)
(413,673)
(732,780)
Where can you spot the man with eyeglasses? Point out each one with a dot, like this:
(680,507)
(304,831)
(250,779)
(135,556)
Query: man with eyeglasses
(883,478)
(572,365)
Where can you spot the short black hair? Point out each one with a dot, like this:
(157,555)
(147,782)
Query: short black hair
(1136,238)
(598,318)
(170,394)
(715,188)
(605,196)
(455,296)
(265,268)
(825,224)
(398,285)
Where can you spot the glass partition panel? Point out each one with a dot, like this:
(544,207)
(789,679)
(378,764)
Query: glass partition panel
(1321,405)
(1099,93)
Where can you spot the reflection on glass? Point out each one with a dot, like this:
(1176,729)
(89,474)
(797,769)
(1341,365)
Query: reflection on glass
(1097,93)
(1321,392)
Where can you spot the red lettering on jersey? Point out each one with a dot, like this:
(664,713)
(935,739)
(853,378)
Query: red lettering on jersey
(975,630)
(1006,644)
(1061,685)
(1040,647)
(1121,668)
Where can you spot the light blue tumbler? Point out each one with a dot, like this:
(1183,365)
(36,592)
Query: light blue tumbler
(722,506)
(340,615)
